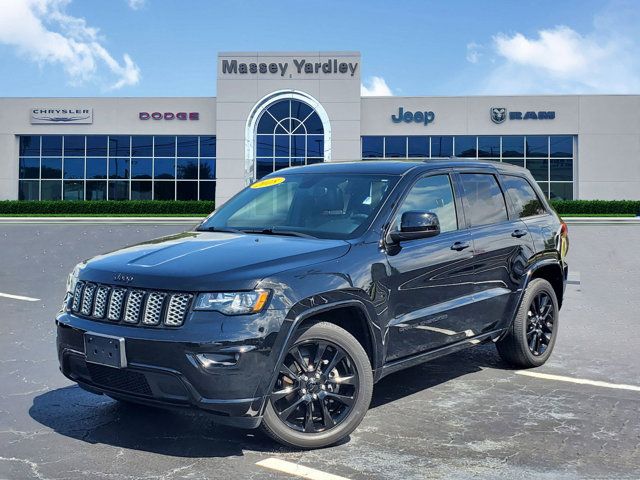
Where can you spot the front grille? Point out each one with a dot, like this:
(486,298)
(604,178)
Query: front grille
(130,306)
(117,379)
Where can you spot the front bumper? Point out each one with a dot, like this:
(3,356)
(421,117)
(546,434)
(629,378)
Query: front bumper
(163,368)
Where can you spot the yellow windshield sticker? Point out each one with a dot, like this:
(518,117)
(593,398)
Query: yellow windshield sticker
(269,182)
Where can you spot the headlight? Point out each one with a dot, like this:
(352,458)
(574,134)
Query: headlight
(232,303)
(72,279)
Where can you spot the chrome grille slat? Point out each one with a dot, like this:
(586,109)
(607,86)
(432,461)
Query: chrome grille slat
(115,304)
(129,305)
(177,309)
(153,308)
(133,306)
(100,303)
(77,297)
(87,299)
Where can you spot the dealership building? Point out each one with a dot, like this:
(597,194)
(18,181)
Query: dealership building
(276,109)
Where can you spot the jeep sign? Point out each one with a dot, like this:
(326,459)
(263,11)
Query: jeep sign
(424,118)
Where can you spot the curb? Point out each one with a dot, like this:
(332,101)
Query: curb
(602,220)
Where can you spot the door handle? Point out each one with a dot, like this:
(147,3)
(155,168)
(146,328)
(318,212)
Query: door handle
(518,233)
(458,246)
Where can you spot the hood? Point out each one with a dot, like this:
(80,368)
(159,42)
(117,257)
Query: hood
(201,261)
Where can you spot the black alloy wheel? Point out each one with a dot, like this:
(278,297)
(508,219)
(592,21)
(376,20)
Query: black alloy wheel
(322,388)
(316,388)
(530,339)
(540,323)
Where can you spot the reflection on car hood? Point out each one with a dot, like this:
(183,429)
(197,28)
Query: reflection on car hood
(199,261)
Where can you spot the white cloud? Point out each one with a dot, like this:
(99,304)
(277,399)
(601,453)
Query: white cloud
(43,32)
(474,52)
(376,87)
(561,60)
(136,4)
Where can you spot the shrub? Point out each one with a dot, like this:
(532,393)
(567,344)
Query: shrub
(133,207)
(568,207)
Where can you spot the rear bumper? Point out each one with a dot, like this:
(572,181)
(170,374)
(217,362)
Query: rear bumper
(163,369)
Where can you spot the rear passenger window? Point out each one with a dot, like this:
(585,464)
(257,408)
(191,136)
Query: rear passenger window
(524,198)
(484,201)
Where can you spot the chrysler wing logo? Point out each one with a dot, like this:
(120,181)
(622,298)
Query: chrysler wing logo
(121,277)
(498,114)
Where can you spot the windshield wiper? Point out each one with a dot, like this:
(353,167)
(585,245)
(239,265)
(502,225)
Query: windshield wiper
(277,231)
(219,229)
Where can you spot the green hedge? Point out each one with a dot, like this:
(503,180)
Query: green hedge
(133,207)
(568,207)
(157,207)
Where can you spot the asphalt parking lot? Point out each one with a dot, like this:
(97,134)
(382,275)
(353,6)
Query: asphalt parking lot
(462,416)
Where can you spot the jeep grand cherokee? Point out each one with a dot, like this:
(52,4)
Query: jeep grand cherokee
(287,304)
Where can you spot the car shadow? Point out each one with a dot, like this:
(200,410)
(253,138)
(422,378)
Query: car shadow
(97,419)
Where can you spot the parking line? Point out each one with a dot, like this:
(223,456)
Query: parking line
(582,381)
(297,470)
(19,297)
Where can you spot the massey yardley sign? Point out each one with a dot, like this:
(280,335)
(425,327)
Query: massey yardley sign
(300,66)
(77,115)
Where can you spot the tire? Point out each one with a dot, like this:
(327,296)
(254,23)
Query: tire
(350,380)
(533,323)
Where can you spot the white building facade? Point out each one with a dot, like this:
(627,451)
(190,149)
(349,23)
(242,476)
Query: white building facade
(276,109)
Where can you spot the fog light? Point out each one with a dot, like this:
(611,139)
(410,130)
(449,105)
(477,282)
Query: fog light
(208,360)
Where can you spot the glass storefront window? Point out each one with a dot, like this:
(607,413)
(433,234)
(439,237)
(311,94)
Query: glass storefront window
(395,147)
(372,147)
(121,167)
(549,158)
(465,146)
(418,147)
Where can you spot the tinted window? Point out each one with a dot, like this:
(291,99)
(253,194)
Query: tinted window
(561,146)
(73,146)
(537,146)
(142,146)
(165,146)
(207,146)
(52,145)
(513,147)
(466,146)
(187,146)
(524,198)
(441,146)
(73,168)
(431,194)
(30,145)
(372,147)
(29,168)
(489,147)
(119,146)
(418,147)
(395,147)
(484,200)
(97,145)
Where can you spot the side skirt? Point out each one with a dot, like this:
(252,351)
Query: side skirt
(408,362)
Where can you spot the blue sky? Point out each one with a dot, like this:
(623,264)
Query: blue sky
(169,47)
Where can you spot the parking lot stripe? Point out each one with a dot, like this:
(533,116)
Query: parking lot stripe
(581,381)
(297,470)
(19,297)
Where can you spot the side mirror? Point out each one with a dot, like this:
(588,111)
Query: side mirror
(415,225)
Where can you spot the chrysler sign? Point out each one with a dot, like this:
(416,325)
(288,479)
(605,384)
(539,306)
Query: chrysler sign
(77,115)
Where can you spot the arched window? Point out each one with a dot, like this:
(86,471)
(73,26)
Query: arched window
(289,133)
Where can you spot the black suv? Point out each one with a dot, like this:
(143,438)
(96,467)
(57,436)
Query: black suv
(283,307)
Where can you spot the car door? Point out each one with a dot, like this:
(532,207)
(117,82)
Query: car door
(502,246)
(431,279)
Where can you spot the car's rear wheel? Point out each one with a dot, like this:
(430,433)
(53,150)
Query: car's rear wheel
(322,391)
(532,336)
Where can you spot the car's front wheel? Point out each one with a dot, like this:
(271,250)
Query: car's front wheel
(322,391)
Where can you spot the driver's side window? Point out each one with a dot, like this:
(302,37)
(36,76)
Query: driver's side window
(431,194)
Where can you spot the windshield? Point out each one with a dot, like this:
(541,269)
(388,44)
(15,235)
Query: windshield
(321,205)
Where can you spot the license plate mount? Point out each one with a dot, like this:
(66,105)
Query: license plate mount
(105,350)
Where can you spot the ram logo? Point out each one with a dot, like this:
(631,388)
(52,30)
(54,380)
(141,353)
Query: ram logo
(498,114)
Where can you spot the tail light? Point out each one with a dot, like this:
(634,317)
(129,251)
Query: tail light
(564,240)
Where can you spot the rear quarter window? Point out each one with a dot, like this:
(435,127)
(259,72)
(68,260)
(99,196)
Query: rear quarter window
(525,200)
